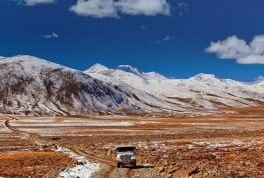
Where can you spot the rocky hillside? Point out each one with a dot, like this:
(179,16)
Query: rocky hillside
(29,85)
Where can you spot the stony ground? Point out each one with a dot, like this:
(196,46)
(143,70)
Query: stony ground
(227,144)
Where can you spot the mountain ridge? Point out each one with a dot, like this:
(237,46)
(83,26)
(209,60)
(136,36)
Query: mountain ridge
(205,90)
(31,85)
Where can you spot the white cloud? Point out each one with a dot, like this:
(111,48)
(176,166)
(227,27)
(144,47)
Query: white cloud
(52,35)
(144,7)
(95,8)
(35,2)
(111,8)
(239,50)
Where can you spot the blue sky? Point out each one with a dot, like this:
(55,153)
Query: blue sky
(168,36)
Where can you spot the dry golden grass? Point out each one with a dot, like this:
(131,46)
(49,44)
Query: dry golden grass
(24,164)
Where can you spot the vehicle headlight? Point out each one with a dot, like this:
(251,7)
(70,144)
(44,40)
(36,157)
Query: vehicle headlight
(118,157)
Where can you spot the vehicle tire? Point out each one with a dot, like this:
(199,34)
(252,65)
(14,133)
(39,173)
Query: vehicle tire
(134,164)
(118,165)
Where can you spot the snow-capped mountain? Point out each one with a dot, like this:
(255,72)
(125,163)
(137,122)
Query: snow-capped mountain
(259,87)
(135,71)
(29,85)
(96,68)
(130,69)
(202,91)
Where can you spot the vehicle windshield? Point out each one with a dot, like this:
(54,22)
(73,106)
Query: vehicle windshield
(125,149)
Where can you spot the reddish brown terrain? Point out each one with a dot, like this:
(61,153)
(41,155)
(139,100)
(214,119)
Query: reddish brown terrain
(227,144)
(21,156)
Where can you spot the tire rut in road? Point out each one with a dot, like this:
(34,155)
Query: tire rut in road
(90,156)
(120,172)
(7,124)
(110,172)
(31,136)
(113,171)
(130,173)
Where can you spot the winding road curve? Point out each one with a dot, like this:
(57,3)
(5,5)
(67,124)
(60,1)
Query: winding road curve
(111,171)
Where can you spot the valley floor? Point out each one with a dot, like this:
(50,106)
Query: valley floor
(227,144)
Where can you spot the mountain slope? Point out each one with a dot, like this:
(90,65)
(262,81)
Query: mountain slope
(202,91)
(137,72)
(29,85)
(259,87)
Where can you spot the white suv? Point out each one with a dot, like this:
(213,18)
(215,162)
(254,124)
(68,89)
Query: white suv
(126,155)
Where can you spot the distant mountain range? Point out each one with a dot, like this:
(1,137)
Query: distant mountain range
(29,85)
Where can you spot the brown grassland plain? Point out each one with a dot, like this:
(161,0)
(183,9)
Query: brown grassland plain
(229,143)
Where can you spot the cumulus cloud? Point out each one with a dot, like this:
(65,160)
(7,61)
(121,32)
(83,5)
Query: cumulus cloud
(95,8)
(111,8)
(52,35)
(239,50)
(145,7)
(35,2)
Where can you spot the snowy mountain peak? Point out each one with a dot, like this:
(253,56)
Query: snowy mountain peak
(96,68)
(130,69)
(135,71)
(30,62)
(203,77)
(156,76)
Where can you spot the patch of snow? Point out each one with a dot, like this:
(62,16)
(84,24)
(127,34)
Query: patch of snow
(190,146)
(85,170)
(67,123)
(41,120)
(220,144)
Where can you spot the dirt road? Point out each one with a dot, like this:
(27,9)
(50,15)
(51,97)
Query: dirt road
(21,156)
(108,166)
(110,170)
